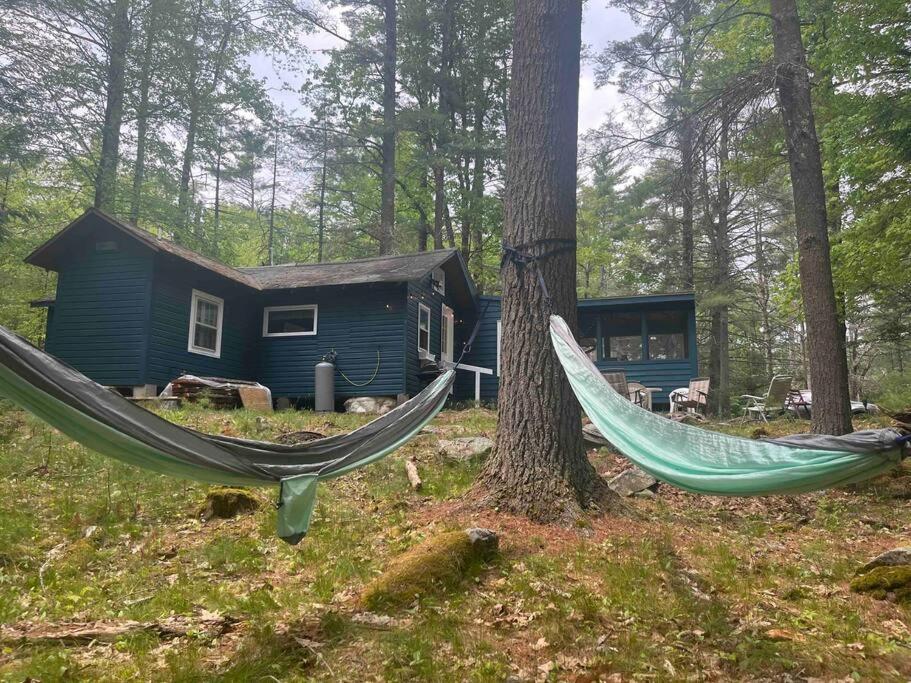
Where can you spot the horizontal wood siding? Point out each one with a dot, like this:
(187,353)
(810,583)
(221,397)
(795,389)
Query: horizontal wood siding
(99,319)
(422,292)
(356,321)
(666,375)
(483,354)
(170,326)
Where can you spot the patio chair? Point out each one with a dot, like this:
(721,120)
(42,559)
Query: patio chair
(618,381)
(772,404)
(697,397)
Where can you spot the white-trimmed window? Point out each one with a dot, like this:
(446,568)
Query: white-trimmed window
(289,321)
(424,331)
(206,316)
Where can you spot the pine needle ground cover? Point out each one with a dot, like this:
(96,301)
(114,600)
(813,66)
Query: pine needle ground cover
(685,587)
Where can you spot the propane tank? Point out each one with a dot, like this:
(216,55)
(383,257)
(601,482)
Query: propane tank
(324,381)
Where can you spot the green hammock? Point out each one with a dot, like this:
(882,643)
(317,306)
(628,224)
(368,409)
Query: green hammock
(107,423)
(708,462)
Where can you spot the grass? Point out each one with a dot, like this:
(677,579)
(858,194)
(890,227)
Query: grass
(693,587)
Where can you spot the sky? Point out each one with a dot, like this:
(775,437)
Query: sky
(600,25)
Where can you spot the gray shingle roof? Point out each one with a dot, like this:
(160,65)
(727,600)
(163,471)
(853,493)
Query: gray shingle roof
(380,269)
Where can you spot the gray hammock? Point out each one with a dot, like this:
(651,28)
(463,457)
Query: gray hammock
(107,423)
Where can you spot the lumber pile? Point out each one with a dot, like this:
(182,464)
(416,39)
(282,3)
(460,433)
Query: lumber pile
(221,393)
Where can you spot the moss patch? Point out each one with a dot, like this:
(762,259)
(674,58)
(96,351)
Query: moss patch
(885,582)
(228,502)
(440,562)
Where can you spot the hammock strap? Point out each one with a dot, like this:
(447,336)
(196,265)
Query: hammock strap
(521,255)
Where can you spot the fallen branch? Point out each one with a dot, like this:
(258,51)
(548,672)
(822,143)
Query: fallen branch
(209,625)
(412,470)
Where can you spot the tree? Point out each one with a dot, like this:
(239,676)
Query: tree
(119,43)
(828,362)
(539,466)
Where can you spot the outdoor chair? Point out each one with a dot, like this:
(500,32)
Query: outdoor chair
(618,381)
(697,397)
(772,404)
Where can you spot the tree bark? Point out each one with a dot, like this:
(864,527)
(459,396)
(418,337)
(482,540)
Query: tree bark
(142,112)
(687,142)
(476,253)
(106,180)
(387,200)
(828,364)
(720,350)
(539,467)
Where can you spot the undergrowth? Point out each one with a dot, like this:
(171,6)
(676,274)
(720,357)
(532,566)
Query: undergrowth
(724,589)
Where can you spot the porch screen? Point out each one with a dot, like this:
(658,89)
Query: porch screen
(666,335)
(622,336)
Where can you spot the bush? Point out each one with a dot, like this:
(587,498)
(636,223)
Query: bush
(894,392)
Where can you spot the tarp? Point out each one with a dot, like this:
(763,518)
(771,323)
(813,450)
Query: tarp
(107,423)
(709,462)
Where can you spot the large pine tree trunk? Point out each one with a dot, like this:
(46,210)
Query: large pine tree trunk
(387,199)
(539,466)
(825,335)
(106,180)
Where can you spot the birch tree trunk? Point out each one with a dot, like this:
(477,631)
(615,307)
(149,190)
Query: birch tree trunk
(538,467)
(825,335)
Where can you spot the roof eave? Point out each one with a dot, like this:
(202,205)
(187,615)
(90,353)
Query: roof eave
(40,258)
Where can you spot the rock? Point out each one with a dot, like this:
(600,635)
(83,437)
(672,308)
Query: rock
(885,583)
(465,448)
(226,503)
(441,561)
(890,558)
(369,405)
(631,481)
(593,438)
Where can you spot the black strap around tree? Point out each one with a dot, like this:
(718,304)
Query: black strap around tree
(520,256)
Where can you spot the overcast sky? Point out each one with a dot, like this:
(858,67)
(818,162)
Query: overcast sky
(600,25)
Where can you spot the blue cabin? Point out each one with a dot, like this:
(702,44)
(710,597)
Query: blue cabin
(134,311)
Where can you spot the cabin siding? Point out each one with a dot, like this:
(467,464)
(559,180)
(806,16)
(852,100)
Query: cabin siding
(169,326)
(422,292)
(483,353)
(356,321)
(666,375)
(99,321)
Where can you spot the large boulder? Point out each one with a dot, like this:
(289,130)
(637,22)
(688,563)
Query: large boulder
(887,576)
(465,448)
(631,481)
(370,405)
(890,558)
(440,562)
(885,583)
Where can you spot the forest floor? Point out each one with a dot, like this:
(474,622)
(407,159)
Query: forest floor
(691,587)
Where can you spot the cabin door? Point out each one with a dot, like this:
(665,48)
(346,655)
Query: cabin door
(447,334)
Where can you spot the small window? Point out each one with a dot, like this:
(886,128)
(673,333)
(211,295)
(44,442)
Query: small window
(623,336)
(206,313)
(289,321)
(423,331)
(438,279)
